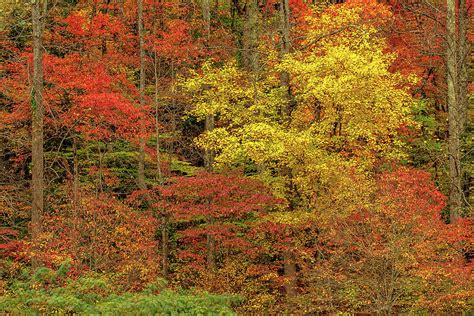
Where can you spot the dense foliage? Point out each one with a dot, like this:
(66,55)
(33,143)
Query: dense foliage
(231,157)
(48,291)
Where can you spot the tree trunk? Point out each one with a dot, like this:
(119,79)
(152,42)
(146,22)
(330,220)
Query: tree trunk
(165,247)
(454,114)
(159,174)
(211,253)
(209,121)
(206,16)
(284,49)
(210,247)
(463,55)
(100,182)
(38,14)
(289,269)
(211,250)
(75,185)
(209,154)
(172,139)
(284,28)
(250,37)
(141,149)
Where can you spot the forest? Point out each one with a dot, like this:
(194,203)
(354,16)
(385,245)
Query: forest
(236,157)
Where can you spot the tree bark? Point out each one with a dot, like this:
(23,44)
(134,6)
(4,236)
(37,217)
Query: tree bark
(37,108)
(172,140)
(141,149)
(165,247)
(75,186)
(208,127)
(284,49)
(209,121)
(211,253)
(463,55)
(454,114)
(159,174)
(289,267)
(211,250)
(284,11)
(209,154)
(157,74)
(206,16)
(250,37)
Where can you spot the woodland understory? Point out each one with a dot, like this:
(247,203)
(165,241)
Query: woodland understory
(251,157)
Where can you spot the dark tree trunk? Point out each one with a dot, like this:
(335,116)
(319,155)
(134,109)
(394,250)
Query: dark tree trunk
(455,114)
(37,152)
(141,149)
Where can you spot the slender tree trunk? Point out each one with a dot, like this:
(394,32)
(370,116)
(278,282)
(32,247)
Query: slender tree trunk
(75,185)
(285,31)
(173,119)
(209,121)
(165,246)
(206,16)
(75,213)
(159,175)
(210,247)
(211,250)
(464,80)
(284,49)
(454,114)
(463,55)
(157,74)
(211,253)
(209,154)
(141,149)
(100,185)
(37,108)
(289,267)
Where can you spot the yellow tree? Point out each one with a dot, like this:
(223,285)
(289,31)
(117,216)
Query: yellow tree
(341,122)
(349,107)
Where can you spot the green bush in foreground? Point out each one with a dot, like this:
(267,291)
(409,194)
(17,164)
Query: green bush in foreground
(49,291)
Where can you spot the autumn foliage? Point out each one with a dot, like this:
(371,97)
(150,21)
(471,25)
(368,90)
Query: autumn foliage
(294,160)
